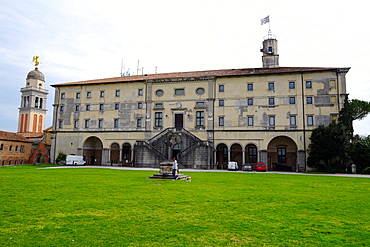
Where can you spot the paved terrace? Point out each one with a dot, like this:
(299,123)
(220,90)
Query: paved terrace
(194,170)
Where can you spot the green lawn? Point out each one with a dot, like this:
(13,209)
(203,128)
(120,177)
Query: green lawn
(103,207)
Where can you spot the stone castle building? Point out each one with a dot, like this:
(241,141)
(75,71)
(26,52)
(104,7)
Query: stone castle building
(204,118)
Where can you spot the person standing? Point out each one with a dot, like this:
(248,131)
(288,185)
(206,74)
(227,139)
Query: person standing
(175,167)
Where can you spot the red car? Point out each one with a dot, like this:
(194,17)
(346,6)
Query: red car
(261,166)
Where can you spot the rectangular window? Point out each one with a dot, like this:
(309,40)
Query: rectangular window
(309,100)
(250,87)
(200,104)
(115,123)
(102,93)
(60,124)
(158,119)
(293,121)
(221,121)
(140,105)
(140,92)
(271,86)
(116,106)
(291,85)
(221,88)
(308,84)
(62,108)
(281,155)
(87,107)
(87,123)
(101,107)
(118,93)
(179,91)
(271,101)
(225,154)
(62,95)
(250,101)
(10,148)
(16,148)
(78,95)
(332,83)
(199,118)
(77,108)
(310,120)
(75,124)
(100,123)
(292,100)
(252,153)
(159,105)
(250,121)
(88,94)
(221,102)
(138,122)
(272,120)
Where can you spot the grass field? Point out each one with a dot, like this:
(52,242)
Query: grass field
(103,207)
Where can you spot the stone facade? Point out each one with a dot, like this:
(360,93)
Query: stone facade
(204,118)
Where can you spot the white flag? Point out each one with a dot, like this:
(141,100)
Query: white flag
(265,20)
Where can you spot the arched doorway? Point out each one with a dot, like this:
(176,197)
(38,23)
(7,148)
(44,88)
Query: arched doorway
(114,153)
(282,154)
(126,154)
(236,154)
(92,150)
(176,150)
(221,156)
(39,159)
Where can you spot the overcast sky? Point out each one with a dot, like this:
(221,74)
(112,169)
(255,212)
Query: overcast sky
(81,40)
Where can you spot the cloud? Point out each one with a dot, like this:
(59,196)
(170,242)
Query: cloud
(81,40)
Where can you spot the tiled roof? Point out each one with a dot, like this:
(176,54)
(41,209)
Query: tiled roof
(206,73)
(32,134)
(10,136)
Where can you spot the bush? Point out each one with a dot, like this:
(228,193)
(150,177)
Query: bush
(61,157)
(366,170)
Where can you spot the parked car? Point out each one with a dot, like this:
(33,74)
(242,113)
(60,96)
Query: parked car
(261,166)
(232,166)
(247,167)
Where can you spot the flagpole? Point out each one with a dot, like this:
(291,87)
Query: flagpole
(270,34)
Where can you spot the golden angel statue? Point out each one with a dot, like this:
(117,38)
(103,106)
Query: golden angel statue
(36,60)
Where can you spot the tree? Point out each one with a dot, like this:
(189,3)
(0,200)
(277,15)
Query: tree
(333,144)
(361,153)
(327,145)
(353,110)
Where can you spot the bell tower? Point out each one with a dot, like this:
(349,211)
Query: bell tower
(270,57)
(32,111)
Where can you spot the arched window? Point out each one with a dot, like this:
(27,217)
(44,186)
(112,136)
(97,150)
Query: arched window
(34,123)
(40,124)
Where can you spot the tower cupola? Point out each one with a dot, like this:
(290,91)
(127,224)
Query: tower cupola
(270,57)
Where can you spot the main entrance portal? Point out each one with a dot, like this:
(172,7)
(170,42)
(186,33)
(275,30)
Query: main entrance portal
(179,121)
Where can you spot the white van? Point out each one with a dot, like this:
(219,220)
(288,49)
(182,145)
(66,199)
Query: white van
(232,166)
(76,160)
